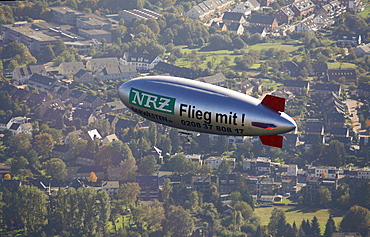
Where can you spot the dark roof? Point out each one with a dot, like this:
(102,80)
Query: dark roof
(14,126)
(141,57)
(90,98)
(61,148)
(124,123)
(327,87)
(310,138)
(76,94)
(314,128)
(47,81)
(82,114)
(344,140)
(234,26)
(29,70)
(335,74)
(61,90)
(255,29)
(262,19)
(176,71)
(233,16)
(296,83)
(320,67)
(80,73)
(364,87)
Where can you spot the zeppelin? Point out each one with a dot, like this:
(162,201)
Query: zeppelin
(201,107)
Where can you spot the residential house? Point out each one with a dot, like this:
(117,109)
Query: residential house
(87,159)
(260,165)
(92,101)
(245,87)
(310,139)
(320,69)
(76,97)
(219,25)
(21,95)
(149,187)
(226,183)
(45,105)
(349,75)
(327,172)
(291,68)
(284,15)
(36,99)
(290,170)
(289,184)
(83,76)
(332,9)
(297,87)
(202,11)
(323,20)
(362,50)
(142,61)
(116,107)
(130,15)
(269,22)
(262,30)
(61,93)
(216,161)
(63,152)
(303,7)
(110,138)
(314,128)
(236,27)
(41,83)
(86,116)
(218,79)
(110,187)
(22,74)
(93,135)
(118,72)
(70,68)
(17,128)
(349,38)
(322,90)
(163,67)
(95,64)
(363,90)
(4,169)
(84,172)
(196,158)
(233,17)
(266,3)
(54,115)
(203,184)
(261,185)
(253,5)
(290,141)
(307,25)
(243,8)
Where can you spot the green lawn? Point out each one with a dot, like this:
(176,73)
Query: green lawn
(337,65)
(296,214)
(287,47)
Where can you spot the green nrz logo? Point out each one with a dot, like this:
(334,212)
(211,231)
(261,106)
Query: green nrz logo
(152,101)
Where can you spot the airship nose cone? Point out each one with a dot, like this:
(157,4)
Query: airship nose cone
(286,123)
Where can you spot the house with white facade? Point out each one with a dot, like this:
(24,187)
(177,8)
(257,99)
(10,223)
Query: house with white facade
(22,74)
(216,161)
(142,61)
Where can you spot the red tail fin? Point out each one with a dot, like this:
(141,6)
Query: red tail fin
(272,140)
(274,102)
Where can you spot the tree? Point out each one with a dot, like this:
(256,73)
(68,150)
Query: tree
(113,153)
(167,189)
(178,222)
(92,178)
(323,196)
(277,223)
(31,207)
(129,193)
(221,144)
(224,167)
(244,208)
(44,143)
(357,219)
(315,226)
(152,214)
(55,168)
(329,227)
(148,165)
(128,169)
(47,54)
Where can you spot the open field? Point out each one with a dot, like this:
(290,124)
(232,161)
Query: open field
(337,65)
(296,214)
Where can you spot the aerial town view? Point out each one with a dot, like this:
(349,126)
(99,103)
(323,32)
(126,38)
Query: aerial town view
(175,118)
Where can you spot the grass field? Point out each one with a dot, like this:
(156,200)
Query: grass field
(296,214)
(337,65)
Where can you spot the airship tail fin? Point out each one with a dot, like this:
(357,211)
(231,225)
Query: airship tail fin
(274,102)
(272,140)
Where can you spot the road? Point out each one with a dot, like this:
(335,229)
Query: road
(352,105)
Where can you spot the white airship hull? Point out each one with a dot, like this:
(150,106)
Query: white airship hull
(197,106)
